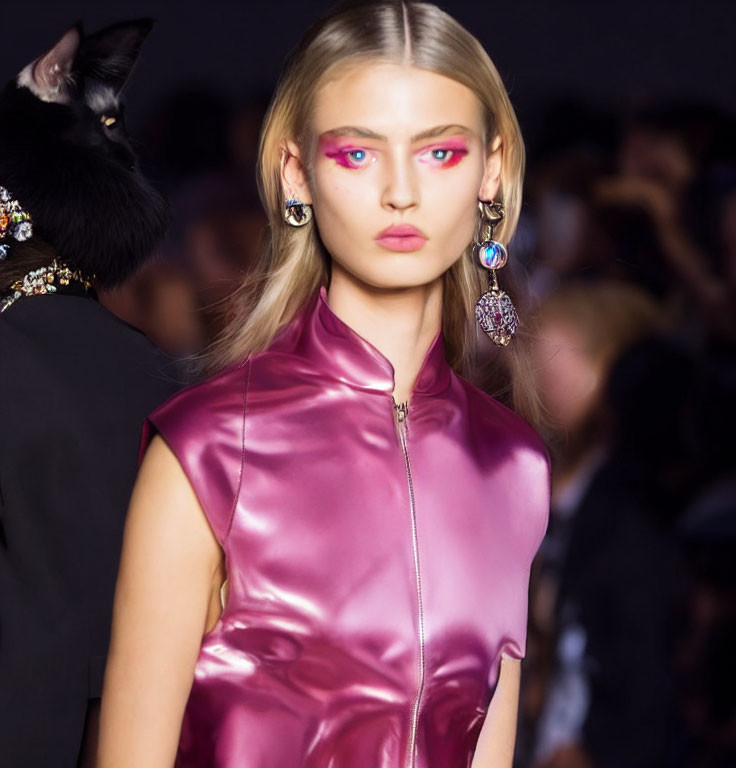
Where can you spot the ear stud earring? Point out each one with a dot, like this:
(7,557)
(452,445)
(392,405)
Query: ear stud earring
(297,213)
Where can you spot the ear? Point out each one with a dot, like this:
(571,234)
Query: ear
(293,174)
(109,55)
(492,174)
(48,77)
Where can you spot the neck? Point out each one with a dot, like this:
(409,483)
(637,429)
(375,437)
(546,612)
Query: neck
(400,323)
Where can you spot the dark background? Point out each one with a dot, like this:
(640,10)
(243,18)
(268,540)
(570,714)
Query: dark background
(604,52)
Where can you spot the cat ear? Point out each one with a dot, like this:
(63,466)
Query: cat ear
(109,55)
(49,76)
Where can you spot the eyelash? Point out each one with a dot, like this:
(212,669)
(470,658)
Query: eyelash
(342,157)
(456,154)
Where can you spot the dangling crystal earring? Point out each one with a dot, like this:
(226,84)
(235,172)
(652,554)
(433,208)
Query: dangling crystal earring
(494,311)
(296,213)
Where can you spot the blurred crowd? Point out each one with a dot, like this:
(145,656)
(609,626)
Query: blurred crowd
(628,241)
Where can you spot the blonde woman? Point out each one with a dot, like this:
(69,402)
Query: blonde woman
(327,552)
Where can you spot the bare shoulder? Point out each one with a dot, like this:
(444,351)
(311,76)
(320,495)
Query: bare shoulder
(165,515)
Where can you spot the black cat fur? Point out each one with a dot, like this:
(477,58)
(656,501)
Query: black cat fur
(77,176)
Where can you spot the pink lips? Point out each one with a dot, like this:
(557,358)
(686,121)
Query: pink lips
(401,237)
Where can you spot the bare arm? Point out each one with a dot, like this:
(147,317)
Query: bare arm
(498,736)
(166,598)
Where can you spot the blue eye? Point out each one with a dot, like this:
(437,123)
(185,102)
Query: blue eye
(357,155)
(440,154)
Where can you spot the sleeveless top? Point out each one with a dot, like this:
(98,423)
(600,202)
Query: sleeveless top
(377,557)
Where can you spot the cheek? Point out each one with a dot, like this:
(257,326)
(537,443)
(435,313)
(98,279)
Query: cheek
(336,189)
(449,201)
(339,214)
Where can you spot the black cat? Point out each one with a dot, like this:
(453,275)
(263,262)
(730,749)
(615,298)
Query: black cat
(66,157)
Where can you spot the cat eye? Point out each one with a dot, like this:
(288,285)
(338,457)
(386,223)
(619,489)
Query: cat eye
(108,122)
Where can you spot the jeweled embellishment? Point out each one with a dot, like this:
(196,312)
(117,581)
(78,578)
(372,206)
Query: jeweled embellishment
(14,221)
(494,311)
(492,254)
(22,231)
(43,281)
(497,316)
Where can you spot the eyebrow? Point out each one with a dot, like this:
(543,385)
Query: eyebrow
(365,133)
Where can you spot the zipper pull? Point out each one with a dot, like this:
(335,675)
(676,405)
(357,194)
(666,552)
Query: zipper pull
(401,414)
(402,411)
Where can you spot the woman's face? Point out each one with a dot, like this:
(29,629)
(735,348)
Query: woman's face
(395,170)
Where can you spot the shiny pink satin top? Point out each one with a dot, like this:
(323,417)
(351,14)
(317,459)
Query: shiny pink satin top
(378,561)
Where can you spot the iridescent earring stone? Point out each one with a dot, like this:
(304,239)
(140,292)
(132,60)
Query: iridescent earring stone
(494,310)
(296,213)
(490,253)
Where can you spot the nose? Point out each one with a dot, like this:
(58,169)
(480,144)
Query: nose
(401,189)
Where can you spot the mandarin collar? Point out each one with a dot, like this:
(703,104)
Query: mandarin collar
(330,345)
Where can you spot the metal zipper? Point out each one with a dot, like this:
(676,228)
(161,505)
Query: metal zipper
(401,412)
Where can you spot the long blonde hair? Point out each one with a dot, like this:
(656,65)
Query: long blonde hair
(293,263)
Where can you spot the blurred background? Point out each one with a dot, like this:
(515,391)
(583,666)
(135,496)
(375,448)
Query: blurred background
(628,245)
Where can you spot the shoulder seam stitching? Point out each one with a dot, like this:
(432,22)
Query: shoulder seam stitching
(246,385)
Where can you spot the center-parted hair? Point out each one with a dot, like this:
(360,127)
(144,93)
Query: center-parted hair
(294,262)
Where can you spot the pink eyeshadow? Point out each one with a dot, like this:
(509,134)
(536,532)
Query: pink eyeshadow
(332,148)
(456,145)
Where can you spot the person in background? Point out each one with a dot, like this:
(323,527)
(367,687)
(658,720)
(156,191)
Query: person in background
(76,384)
(606,586)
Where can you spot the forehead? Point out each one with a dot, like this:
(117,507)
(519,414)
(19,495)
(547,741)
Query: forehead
(394,100)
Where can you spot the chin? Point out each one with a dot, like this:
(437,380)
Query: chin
(394,271)
(400,279)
